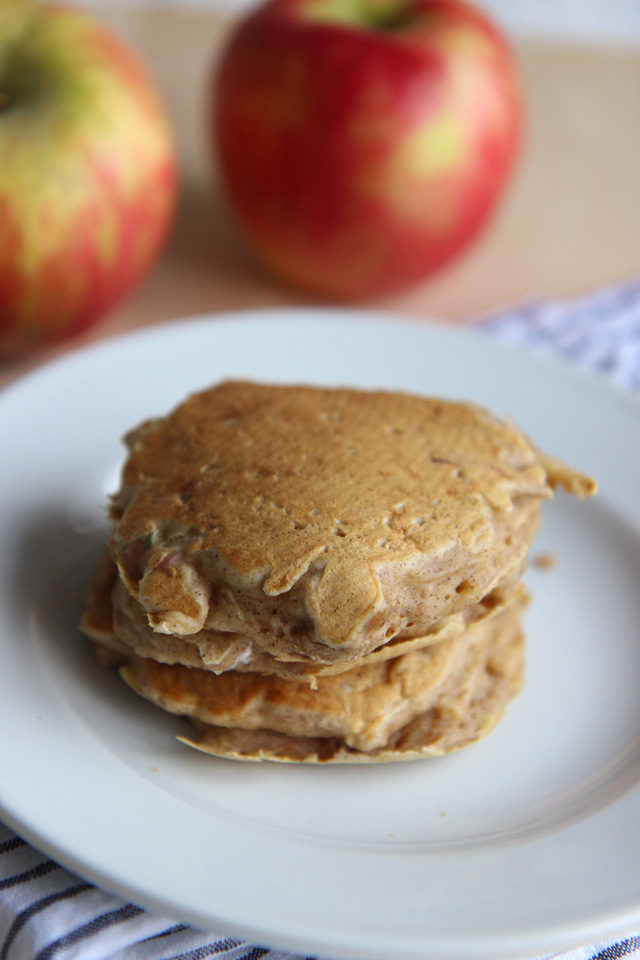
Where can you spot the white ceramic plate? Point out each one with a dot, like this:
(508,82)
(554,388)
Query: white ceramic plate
(522,844)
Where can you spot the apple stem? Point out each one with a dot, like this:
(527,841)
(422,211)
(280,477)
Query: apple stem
(4,99)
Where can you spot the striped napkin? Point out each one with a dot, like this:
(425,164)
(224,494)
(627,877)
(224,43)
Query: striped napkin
(46,913)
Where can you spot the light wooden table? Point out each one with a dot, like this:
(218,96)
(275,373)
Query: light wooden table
(570,222)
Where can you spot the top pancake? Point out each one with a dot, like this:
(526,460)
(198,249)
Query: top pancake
(323,518)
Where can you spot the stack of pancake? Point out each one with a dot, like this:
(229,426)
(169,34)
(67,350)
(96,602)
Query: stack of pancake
(323,575)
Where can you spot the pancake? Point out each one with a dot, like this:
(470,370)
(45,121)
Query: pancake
(431,734)
(323,576)
(363,708)
(117,622)
(322,524)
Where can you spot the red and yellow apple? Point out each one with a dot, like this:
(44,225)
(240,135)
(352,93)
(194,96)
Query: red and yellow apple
(363,143)
(87,174)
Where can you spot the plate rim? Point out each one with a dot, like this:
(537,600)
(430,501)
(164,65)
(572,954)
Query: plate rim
(454,329)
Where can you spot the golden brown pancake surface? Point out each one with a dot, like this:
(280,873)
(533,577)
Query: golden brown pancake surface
(307,518)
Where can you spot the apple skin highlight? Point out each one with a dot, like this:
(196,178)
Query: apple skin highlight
(87,173)
(361,148)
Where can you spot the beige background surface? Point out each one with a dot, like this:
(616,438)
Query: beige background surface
(569,223)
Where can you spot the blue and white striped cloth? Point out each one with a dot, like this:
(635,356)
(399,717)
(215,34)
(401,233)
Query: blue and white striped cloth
(600,331)
(46,913)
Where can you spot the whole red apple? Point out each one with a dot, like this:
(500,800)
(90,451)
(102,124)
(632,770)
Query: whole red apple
(363,143)
(87,175)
